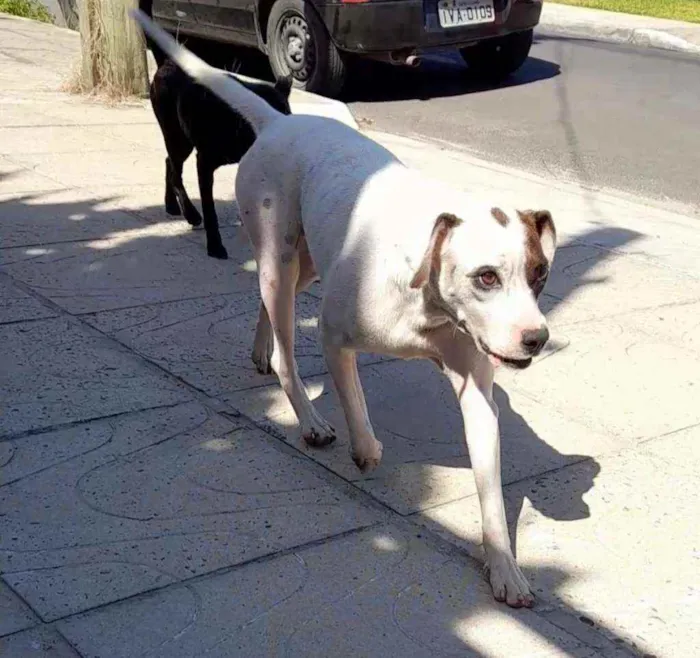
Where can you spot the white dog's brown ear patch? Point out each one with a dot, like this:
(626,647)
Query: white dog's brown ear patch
(500,216)
(432,258)
(540,244)
(540,225)
(543,222)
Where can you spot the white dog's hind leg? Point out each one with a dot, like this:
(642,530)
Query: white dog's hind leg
(263,342)
(366,451)
(277,288)
(471,376)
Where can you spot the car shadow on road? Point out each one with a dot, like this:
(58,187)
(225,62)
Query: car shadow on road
(440,75)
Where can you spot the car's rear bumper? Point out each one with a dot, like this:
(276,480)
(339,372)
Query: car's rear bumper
(376,26)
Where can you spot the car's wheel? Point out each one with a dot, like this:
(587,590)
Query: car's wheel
(298,44)
(495,59)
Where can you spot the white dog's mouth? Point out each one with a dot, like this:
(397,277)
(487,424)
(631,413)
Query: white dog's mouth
(497,359)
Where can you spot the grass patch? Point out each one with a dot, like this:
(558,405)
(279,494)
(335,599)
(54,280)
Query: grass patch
(680,10)
(26,9)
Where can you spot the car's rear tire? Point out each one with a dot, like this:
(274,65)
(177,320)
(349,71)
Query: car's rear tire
(495,59)
(298,44)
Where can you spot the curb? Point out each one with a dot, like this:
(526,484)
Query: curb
(304,102)
(611,27)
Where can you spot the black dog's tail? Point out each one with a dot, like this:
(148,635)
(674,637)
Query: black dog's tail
(146,6)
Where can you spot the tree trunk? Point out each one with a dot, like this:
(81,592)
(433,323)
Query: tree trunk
(112,49)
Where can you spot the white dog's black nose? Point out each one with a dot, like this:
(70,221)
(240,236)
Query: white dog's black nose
(533,340)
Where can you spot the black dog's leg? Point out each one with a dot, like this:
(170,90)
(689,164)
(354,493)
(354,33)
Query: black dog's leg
(174,166)
(172,206)
(205,174)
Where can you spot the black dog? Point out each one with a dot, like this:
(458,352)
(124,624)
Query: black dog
(191,117)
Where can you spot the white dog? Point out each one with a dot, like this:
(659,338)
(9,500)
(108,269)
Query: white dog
(408,267)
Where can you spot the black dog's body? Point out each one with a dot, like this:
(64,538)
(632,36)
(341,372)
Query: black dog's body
(191,117)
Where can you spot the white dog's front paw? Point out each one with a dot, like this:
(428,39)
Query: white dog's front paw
(507,581)
(262,358)
(369,457)
(318,432)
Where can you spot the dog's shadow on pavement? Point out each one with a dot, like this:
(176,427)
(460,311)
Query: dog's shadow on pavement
(565,502)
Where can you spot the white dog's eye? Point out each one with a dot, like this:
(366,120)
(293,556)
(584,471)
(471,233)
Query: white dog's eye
(488,279)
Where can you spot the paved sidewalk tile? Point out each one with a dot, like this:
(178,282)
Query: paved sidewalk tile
(37,220)
(415,414)
(51,45)
(677,325)
(19,78)
(596,284)
(14,614)
(81,111)
(36,643)
(144,135)
(381,592)
(130,267)
(137,522)
(23,114)
(95,167)
(625,557)
(616,380)
(112,508)
(208,341)
(17,305)
(55,371)
(15,178)
(65,141)
(146,202)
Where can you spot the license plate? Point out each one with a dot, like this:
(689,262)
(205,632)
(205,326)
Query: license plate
(457,13)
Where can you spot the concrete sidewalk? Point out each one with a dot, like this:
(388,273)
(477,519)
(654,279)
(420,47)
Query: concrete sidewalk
(154,498)
(613,27)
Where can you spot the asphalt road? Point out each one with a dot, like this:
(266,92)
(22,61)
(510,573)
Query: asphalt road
(607,116)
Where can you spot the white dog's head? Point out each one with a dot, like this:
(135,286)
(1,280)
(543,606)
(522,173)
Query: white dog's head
(487,274)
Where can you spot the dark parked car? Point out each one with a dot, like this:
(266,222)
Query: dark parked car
(314,39)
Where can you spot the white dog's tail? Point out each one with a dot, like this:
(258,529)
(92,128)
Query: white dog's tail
(253,108)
